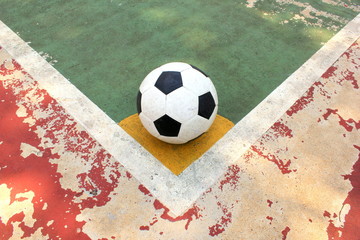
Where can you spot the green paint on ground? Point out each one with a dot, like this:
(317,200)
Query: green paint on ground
(106,48)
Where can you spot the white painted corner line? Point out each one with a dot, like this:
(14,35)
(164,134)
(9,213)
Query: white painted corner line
(178,193)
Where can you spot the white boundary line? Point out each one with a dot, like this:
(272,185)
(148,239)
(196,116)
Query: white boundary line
(178,193)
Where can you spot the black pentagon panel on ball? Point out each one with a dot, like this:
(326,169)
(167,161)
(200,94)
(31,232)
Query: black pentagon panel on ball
(199,70)
(138,102)
(206,105)
(167,126)
(169,81)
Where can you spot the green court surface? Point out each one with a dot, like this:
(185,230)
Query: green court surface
(106,48)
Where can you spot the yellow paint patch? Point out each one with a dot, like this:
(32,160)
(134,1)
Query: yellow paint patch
(176,157)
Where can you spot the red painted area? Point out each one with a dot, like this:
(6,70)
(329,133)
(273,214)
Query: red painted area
(350,51)
(144,190)
(330,72)
(6,71)
(223,222)
(351,227)
(6,229)
(280,129)
(34,174)
(269,202)
(283,165)
(285,233)
(349,76)
(332,231)
(144,228)
(128,175)
(231,177)
(248,156)
(270,219)
(216,229)
(322,90)
(301,103)
(39,174)
(352,219)
(193,212)
(348,124)
(153,222)
(327,214)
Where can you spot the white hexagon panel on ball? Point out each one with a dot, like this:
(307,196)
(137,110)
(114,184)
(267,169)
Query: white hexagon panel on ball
(177,102)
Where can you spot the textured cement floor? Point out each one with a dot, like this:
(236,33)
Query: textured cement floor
(300,180)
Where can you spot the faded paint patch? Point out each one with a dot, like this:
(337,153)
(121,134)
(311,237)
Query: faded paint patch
(309,13)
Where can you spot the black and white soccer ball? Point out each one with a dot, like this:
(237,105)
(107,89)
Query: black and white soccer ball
(177,102)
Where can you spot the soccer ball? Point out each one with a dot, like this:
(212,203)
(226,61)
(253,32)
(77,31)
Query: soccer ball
(177,102)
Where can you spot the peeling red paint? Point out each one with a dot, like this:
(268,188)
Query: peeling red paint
(281,164)
(321,88)
(349,76)
(330,72)
(348,124)
(334,232)
(128,175)
(207,191)
(327,214)
(35,174)
(144,228)
(193,212)
(5,71)
(351,226)
(216,229)
(39,173)
(248,156)
(280,129)
(231,177)
(223,222)
(147,227)
(144,190)
(270,219)
(352,219)
(285,233)
(301,103)
(153,222)
(99,186)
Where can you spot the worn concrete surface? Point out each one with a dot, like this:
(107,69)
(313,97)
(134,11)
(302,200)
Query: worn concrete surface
(298,181)
(179,192)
